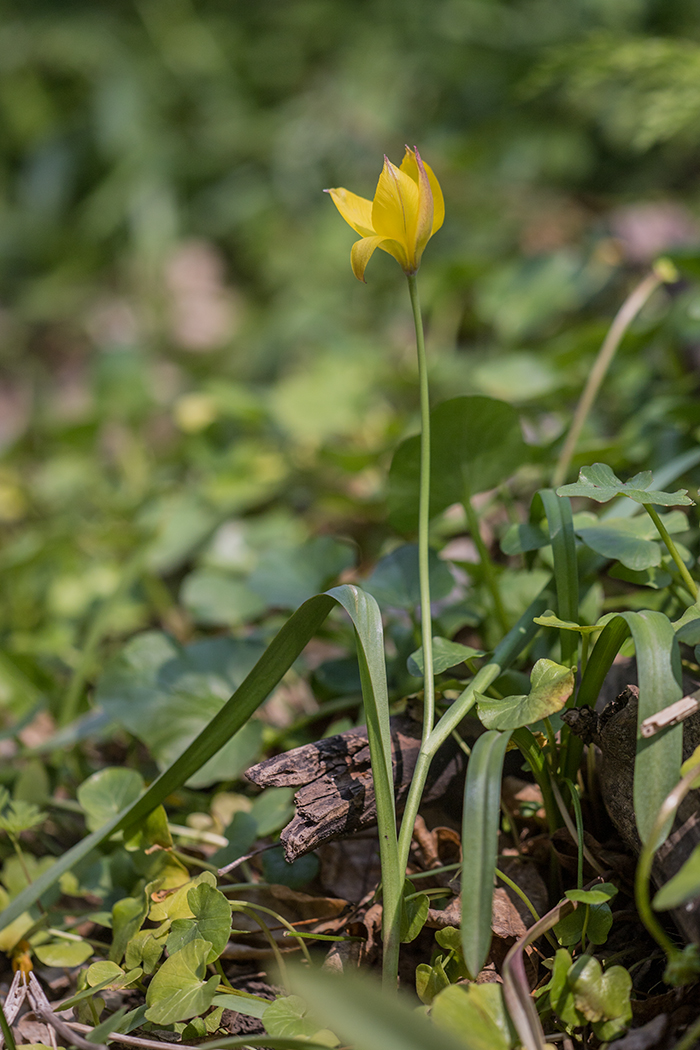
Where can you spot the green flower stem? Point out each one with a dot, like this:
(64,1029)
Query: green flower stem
(424,517)
(487,565)
(517,639)
(623,319)
(673,551)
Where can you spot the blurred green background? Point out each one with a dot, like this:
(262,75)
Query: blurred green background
(198,402)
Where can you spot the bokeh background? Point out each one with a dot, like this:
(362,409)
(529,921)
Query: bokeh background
(198,401)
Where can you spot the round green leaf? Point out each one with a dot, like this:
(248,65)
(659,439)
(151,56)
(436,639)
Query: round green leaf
(64,953)
(107,793)
(211,922)
(446,654)
(476,444)
(395,581)
(178,990)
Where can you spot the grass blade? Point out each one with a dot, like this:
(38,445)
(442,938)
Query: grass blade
(480,822)
(272,665)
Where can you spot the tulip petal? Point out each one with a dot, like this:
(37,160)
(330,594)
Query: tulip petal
(424,219)
(362,252)
(410,166)
(395,207)
(357,211)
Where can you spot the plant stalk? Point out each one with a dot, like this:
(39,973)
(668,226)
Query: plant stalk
(673,551)
(623,319)
(424,516)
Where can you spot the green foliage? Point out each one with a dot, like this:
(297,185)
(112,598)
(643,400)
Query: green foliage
(178,990)
(551,686)
(599,483)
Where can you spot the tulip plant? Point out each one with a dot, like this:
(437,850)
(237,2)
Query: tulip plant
(477,445)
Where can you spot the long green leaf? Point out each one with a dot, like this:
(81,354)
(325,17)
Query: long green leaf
(658,758)
(273,664)
(364,612)
(561,534)
(480,822)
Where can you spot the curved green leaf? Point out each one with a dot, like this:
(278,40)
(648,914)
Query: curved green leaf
(551,686)
(179,990)
(684,886)
(561,534)
(480,822)
(658,758)
(272,665)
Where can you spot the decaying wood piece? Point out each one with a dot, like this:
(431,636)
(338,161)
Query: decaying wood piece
(334,778)
(614,731)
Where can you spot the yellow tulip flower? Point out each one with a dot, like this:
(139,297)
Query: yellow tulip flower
(408,208)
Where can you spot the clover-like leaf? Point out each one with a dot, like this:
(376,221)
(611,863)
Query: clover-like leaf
(551,685)
(598,995)
(178,990)
(597,923)
(598,482)
(211,922)
(446,654)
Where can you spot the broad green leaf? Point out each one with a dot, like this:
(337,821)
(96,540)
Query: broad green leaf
(598,482)
(480,823)
(634,542)
(286,577)
(600,996)
(64,953)
(211,921)
(178,990)
(109,975)
(476,444)
(145,949)
(177,905)
(395,581)
(165,694)
(477,1012)
(446,654)
(684,886)
(364,1016)
(570,929)
(605,891)
(216,598)
(107,792)
(289,1016)
(551,686)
